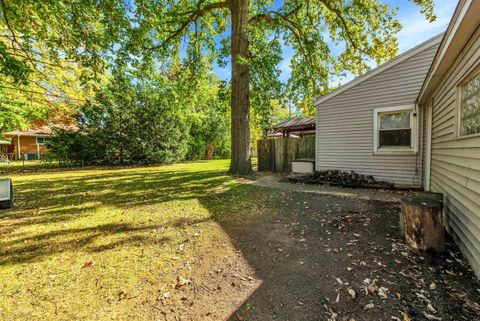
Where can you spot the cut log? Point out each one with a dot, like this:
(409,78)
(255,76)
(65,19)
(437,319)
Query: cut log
(422,223)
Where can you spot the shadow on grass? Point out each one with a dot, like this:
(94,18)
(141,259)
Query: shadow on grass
(62,199)
(28,249)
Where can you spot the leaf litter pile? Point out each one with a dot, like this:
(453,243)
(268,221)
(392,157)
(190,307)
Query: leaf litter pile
(339,178)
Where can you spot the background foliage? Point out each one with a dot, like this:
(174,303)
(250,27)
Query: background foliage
(149,117)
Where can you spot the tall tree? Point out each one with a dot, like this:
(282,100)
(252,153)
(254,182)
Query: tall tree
(250,30)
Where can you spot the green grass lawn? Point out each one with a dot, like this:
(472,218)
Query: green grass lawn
(99,243)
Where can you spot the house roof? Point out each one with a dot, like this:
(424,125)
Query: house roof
(385,66)
(41,131)
(44,131)
(465,21)
(296,124)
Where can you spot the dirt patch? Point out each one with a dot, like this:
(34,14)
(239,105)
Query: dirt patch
(314,257)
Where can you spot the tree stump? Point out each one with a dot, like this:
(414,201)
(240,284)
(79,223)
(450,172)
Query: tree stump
(6,193)
(422,223)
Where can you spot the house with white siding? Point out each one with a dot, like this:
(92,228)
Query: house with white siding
(415,121)
(372,124)
(450,101)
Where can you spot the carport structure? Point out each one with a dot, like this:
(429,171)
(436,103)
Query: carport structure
(299,126)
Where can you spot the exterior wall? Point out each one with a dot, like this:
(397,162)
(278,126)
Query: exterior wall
(28,145)
(455,169)
(345,122)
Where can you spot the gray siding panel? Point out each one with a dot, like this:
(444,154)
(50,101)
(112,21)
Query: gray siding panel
(345,122)
(455,168)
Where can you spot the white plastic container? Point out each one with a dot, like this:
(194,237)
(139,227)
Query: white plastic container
(6,193)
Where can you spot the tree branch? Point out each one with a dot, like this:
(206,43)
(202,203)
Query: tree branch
(284,21)
(268,18)
(15,40)
(343,22)
(193,17)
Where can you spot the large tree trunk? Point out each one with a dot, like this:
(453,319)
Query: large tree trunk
(241,163)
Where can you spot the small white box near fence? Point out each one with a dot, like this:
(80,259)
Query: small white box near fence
(303,166)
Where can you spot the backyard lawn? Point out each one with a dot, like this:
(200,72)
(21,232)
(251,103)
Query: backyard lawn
(187,242)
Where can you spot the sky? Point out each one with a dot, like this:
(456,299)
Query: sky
(416,29)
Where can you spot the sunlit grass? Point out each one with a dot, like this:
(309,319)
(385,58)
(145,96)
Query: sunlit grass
(77,238)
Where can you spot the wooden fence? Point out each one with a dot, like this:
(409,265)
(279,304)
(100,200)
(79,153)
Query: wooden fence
(276,155)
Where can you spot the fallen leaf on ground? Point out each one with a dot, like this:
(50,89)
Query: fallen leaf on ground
(122,295)
(181,282)
(431,308)
(382,292)
(89,263)
(352,293)
(165,296)
(431,317)
(405,317)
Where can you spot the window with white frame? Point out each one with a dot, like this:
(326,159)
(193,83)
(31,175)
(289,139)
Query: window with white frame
(469,109)
(395,130)
(42,140)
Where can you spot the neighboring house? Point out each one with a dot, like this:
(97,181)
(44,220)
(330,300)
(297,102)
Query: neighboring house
(450,99)
(299,127)
(31,143)
(416,120)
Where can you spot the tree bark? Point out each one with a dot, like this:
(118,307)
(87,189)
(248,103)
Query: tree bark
(422,225)
(240,163)
(209,152)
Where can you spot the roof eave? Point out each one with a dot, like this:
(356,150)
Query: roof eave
(464,22)
(13,134)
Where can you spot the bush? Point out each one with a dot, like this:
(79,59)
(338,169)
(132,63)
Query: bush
(125,125)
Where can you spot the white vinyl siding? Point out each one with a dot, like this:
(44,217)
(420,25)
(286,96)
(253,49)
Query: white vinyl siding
(456,160)
(345,135)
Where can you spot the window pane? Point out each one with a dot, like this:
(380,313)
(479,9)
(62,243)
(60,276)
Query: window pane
(395,120)
(395,137)
(471,107)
